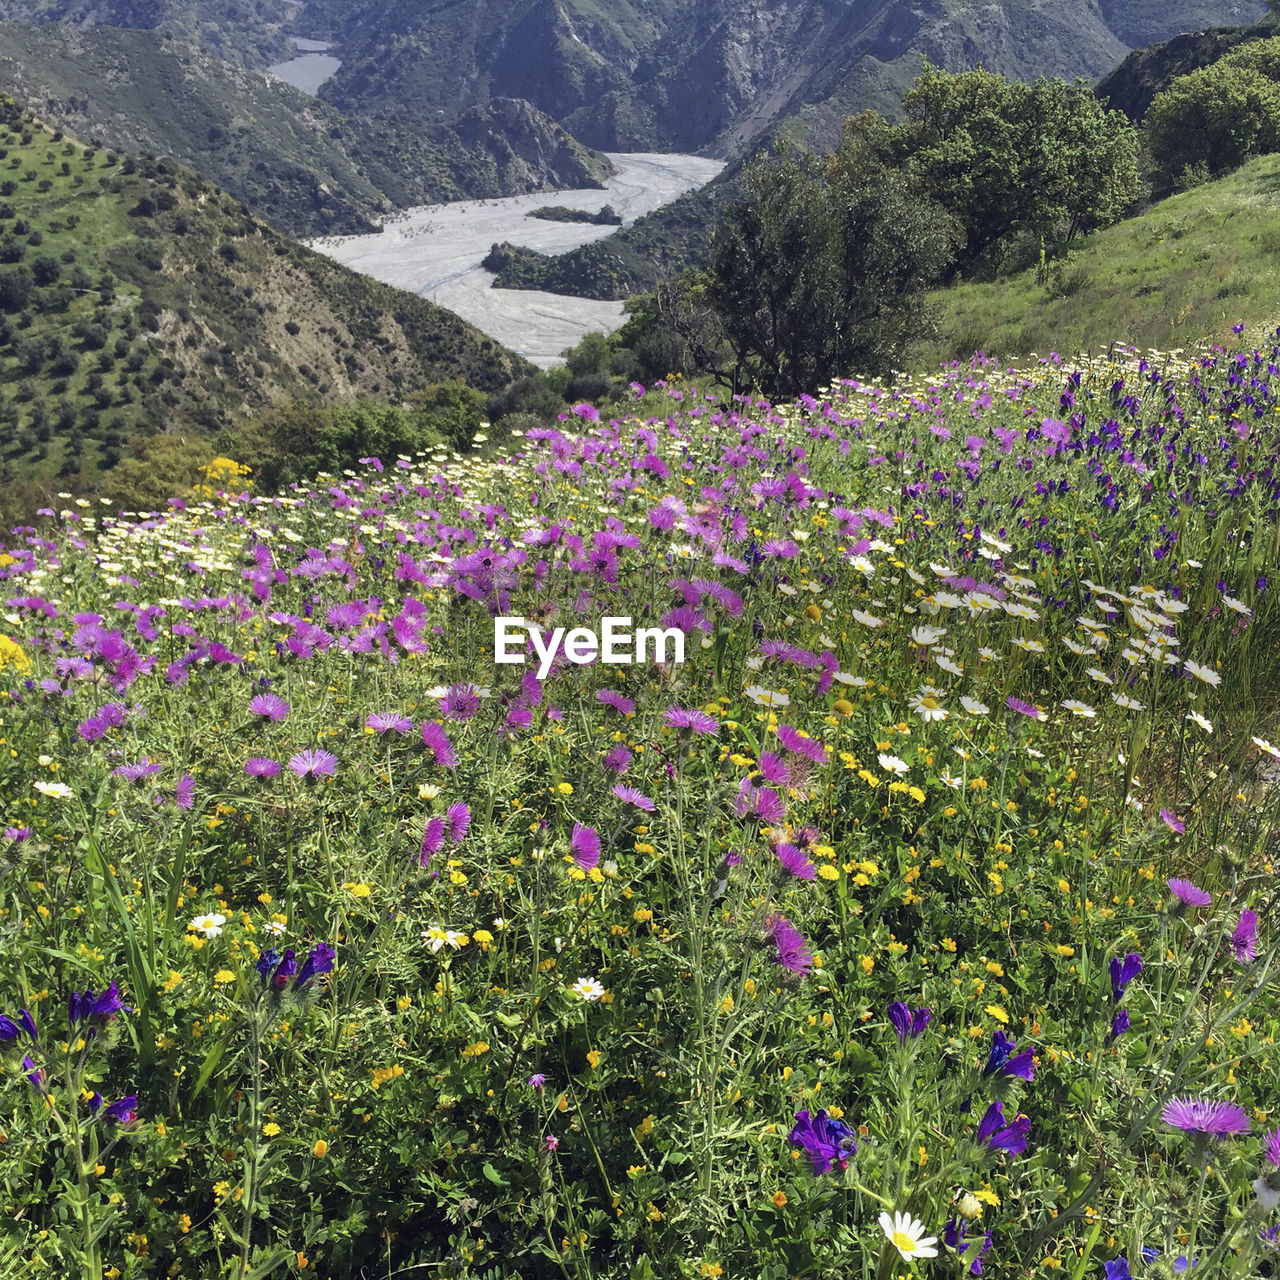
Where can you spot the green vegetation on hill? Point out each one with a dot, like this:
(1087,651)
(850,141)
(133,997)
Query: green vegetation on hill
(290,157)
(1185,269)
(136,299)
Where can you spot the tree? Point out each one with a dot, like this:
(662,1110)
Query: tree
(820,271)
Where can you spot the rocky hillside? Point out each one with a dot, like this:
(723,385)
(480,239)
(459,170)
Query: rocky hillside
(712,74)
(293,159)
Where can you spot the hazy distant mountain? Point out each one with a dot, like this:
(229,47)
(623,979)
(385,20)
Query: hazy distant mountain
(292,158)
(695,74)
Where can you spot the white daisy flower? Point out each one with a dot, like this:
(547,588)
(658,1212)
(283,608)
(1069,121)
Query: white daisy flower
(588,988)
(949,665)
(1031,646)
(993,541)
(988,654)
(927,635)
(1267,747)
(763,697)
(1238,605)
(55,790)
(906,1233)
(1197,718)
(274,927)
(210,925)
(1021,611)
(1100,676)
(1129,704)
(926,705)
(1079,708)
(974,707)
(1078,649)
(948,780)
(867,619)
(1207,674)
(1031,751)
(892,764)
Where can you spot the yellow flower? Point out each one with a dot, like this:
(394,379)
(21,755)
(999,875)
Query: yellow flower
(184,1223)
(358,890)
(565,788)
(321,1149)
(220,1189)
(828,872)
(172,980)
(476,1049)
(867,962)
(270,1129)
(1063,950)
(594,1058)
(223,976)
(779,1199)
(998,1013)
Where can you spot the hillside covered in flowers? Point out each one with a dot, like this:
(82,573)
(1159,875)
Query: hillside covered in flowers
(919,922)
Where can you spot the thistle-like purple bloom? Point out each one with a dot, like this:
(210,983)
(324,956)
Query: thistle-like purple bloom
(1123,972)
(461,703)
(389,722)
(269,706)
(437,742)
(617,759)
(1244,941)
(537,1080)
(1172,821)
(690,718)
(312,763)
(906,1021)
(261,767)
(432,840)
(994,1133)
(1271,1147)
(144,768)
(630,795)
(791,950)
(1203,1115)
(458,817)
(794,861)
(798,744)
(1024,708)
(184,794)
(615,700)
(773,768)
(825,1141)
(585,846)
(1187,892)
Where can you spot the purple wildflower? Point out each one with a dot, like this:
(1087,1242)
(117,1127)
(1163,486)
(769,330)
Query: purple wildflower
(389,722)
(615,700)
(1187,892)
(825,1141)
(437,742)
(686,718)
(458,817)
(269,706)
(461,703)
(312,763)
(1123,972)
(794,741)
(1271,1147)
(1117,1269)
(1024,708)
(630,795)
(261,767)
(954,1235)
(794,861)
(773,768)
(1244,941)
(122,1112)
(319,960)
(617,759)
(585,846)
(432,840)
(1119,1024)
(906,1021)
(1004,1060)
(98,1010)
(791,950)
(184,795)
(1202,1115)
(993,1131)
(140,769)
(1172,821)
(537,1080)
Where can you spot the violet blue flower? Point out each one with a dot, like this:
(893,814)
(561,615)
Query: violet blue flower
(825,1141)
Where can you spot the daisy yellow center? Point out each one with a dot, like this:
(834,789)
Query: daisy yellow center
(904,1242)
(930,704)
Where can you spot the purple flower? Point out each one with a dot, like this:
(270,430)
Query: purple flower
(1119,1024)
(617,759)
(1173,822)
(124,1111)
(319,960)
(17,834)
(616,701)
(1244,942)
(184,795)
(261,767)
(1123,972)
(630,795)
(537,1080)
(461,703)
(1202,1115)
(389,722)
(798,744)
(99,1009)
(1003,1059)
(585,846)
(907,1022)
(34,1074)
(1271,1147)
(790,949)
(437,742)
(1187,892)
(825,1141)
(9,1030)
(686,718)
(954,1232)
(432,840)
(794,861)
(269,706)
(143,768)
(1024,708)
(993,1131)
(773,768)
(458,817)
(312,763)
(1117,1269)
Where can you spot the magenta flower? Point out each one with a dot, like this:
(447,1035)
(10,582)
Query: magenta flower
(617,759)
(585,846)
(630,795)
(798,744)
(184,795)
(1271,1147)
(123,1112)
(1172,821)
(269,706)
(615,700)
(461,703)
(825,1141)
(791,950)
(1024,708)
(437,742)
(794,861)
(773,768)
(432,840)
(261,767)
(906,1021)
(1202,1115)
(143,768)
(1244,942)
(312,763)
(389,722)
(1187,892)
(459,819)
(687,718)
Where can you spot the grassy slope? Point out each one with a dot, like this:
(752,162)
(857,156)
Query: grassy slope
(1188,268)
(213,315)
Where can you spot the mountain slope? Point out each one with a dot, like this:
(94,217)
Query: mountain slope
(136,299)
(292,158)
(711,74)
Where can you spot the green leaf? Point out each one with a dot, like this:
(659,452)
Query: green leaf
(493,1175)
(207,1068)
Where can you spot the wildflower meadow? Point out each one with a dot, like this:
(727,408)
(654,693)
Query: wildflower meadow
(921,921)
